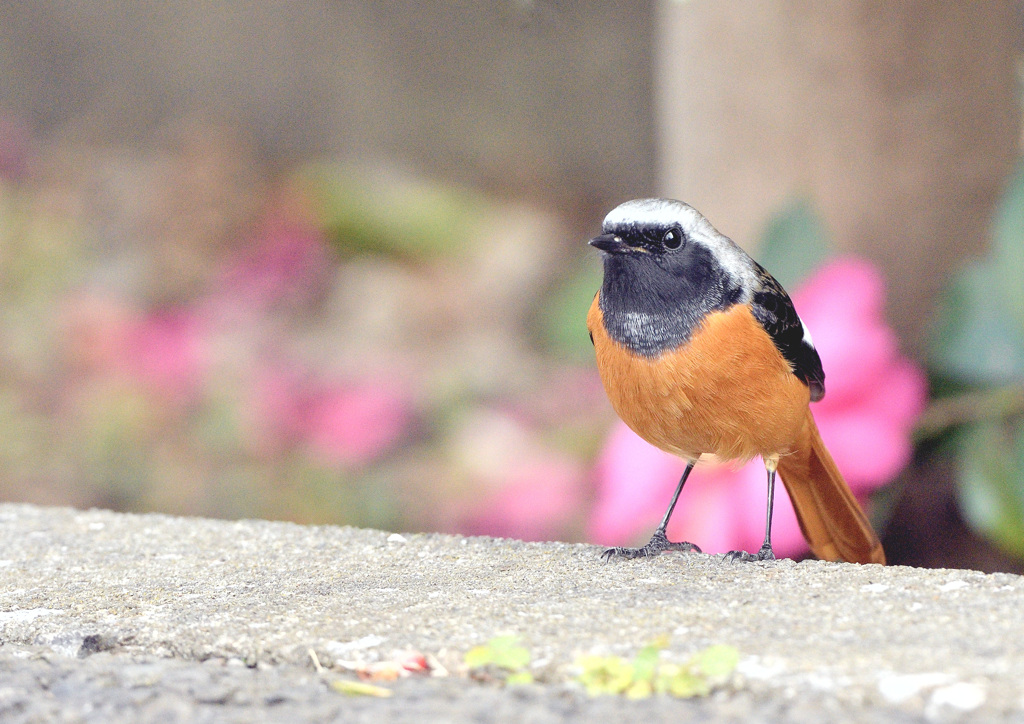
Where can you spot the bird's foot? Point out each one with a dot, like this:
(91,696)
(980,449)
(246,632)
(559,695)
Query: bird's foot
(659,544)
(765,554)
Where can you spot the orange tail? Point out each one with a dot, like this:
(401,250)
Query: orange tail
(830,518)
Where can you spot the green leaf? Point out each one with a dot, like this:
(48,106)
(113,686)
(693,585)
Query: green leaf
(1008,247)
(646,662)
(564,319)
(477,657)
(974,341)
(643,676)
(992,483)
(979,334)
(508,654)
(794,243)
(716,662)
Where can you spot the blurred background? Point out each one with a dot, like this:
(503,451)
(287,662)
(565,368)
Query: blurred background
(326,261)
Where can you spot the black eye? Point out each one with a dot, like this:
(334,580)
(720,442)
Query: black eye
(673,239)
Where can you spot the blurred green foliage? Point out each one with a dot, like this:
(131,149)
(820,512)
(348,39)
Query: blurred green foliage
(794,244)
(563,321)
(504,654)
(388,213)
(976,354)
(992,490)
(646,675)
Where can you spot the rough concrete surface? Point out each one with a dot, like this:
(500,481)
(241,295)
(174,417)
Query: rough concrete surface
(111,617)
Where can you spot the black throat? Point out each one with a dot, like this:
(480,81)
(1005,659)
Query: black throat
(651,305)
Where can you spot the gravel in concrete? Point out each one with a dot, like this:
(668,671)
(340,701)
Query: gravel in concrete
(111,617)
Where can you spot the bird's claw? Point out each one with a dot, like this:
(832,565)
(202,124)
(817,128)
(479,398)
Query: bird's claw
(658,544)
(765,554)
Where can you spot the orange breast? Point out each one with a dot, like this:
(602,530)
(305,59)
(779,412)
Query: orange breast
(726,391)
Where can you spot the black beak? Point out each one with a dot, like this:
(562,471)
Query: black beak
(610,243)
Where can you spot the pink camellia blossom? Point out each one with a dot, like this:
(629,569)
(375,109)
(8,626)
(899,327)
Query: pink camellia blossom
(873,397)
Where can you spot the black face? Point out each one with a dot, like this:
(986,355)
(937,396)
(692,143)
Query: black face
(658,285)
(653,239)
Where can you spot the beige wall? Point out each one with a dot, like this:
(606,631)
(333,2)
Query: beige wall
(532,97)
(900,120)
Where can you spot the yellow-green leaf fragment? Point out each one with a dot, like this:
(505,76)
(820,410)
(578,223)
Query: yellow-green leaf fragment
(478,656)
(646,663)
(604,674)
(639,690)
(519,677)
(645,675)
(684,685)
(508,654)
(716,662)
(505,652)
(359,688)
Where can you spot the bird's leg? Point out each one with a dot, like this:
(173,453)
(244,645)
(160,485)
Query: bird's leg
(659,542)
(765,554)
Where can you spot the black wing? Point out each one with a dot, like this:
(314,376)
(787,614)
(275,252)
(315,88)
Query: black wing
(773,308)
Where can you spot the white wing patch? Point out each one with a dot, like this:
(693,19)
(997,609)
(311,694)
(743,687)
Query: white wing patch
(807,335)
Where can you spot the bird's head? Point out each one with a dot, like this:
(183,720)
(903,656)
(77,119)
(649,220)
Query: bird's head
(674,237)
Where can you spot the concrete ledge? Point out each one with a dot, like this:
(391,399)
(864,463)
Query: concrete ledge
(129,617)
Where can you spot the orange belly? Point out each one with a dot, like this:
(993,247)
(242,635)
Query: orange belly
(727,391)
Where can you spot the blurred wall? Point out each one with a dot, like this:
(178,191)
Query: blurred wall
(899,120)
(534,97)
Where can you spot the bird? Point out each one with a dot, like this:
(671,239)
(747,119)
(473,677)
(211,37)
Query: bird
(702,353)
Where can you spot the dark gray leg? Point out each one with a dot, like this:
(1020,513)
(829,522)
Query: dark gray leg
(765,554)
(659,541)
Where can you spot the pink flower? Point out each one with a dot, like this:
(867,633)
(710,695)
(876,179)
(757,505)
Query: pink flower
(167,351)
(352,425)
(873,397)
(343,425)
(284,262)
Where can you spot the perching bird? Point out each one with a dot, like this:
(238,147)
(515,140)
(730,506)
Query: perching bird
(701,352)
